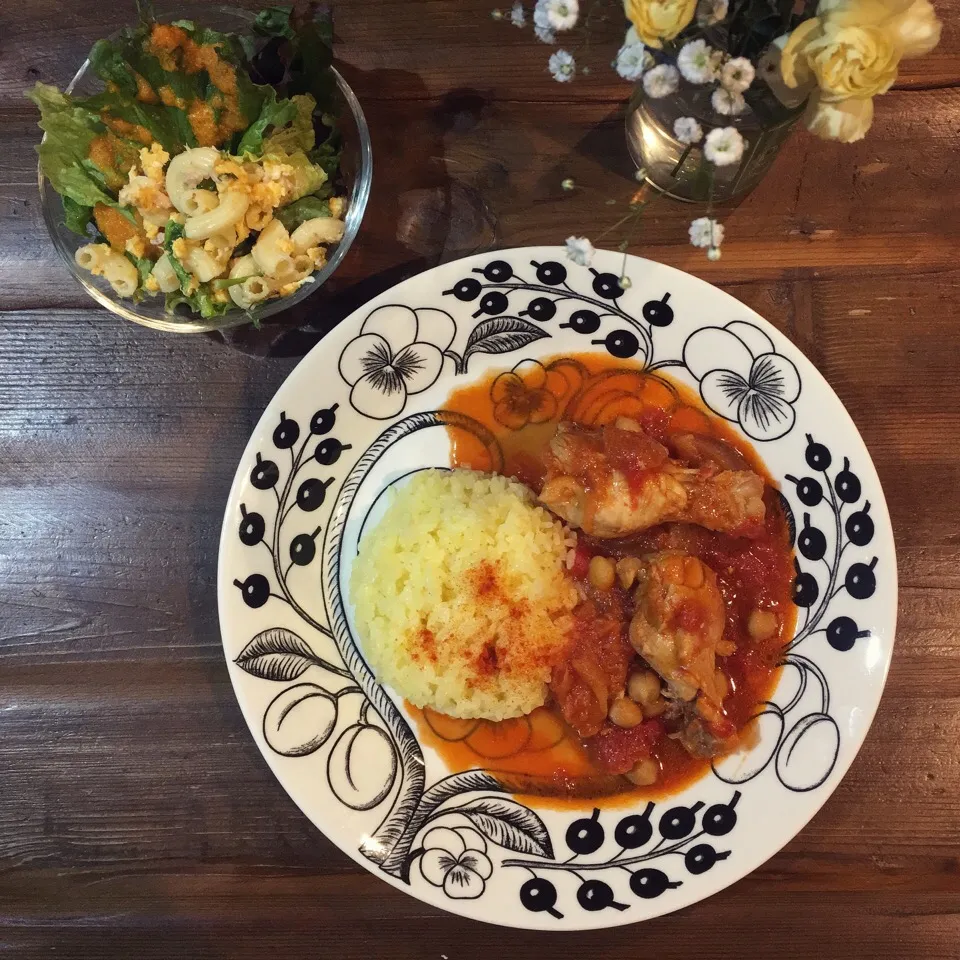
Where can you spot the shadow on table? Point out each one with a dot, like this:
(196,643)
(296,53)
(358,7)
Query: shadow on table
(423,210)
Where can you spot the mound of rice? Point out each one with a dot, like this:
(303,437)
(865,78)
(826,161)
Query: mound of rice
(460,598)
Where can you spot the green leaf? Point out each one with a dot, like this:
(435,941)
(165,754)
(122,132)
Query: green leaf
(302,210)
(274,22)
(76,216)
(109,64)
(298,134)
(70,128)
(273,114)
(144,266)
(173,232)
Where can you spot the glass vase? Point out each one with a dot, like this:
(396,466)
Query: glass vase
(680,170)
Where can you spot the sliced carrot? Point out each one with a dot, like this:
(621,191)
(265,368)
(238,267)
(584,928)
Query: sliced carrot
(449,728)
(547,729)
(494,741)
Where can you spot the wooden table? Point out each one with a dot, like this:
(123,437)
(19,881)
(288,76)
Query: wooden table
(137,819)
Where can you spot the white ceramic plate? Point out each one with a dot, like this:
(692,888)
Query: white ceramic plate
(360,412)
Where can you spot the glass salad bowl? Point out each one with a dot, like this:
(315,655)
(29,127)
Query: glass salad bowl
(356,171)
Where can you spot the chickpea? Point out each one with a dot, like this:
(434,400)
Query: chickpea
(643,686)
(627,570)
(762,625)
(651,710)
(602,572)
(625,713)
(644,773)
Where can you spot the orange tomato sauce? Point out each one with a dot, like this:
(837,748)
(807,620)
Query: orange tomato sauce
(539,755)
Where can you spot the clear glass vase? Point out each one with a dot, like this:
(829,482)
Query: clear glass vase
(681,171)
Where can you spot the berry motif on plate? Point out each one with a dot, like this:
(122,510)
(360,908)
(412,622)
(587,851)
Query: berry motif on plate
(619,867)
(804,731)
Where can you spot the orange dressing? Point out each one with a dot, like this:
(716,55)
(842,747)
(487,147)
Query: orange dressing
(539,754)
(114,226)
(177,50)
(114,157)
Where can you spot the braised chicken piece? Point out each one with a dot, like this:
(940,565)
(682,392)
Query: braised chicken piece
(616,480)
(677,628)
(595,670)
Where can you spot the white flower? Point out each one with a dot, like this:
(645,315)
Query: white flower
(632,60)
(696,62)
(561,14)
(705,232)
(744,379)
(737,74)
(727,102)
(580,250)
(541,23)
(456,859)
(661,81)
(562,66)
(710,12)
(687,130)
(398,352)
(723,146)
(517,17)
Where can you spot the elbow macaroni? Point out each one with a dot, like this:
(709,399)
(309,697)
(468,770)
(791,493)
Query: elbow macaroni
(272,251)
(165,275)
(312,233)
(188,169)
(114,267)
(233,205)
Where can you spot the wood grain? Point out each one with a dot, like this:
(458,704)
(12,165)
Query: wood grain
(136,817)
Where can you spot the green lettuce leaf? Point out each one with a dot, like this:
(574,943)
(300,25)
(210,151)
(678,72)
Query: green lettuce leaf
(273,114)
(70,128)
(76,216)
(298,134)
(202,302)
(307,177)
(307,208)
(173,232)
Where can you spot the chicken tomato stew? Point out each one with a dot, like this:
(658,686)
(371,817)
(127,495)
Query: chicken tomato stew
(681,556)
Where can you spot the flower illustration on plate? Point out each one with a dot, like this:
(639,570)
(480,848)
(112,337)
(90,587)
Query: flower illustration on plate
(529,393)
(743,378)
(456,860)
(398,352)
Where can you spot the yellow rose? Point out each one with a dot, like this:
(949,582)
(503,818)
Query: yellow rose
(846,61)
(659,20)
(845,120)
(852,48)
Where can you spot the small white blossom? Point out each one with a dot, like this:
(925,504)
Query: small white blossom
(723,146)
(737,74)
(710,12)
(561,14)
(632,60)
(541,23)
(728,102)
(705,232)
(517,17)
(562,66)
(696,62)
(580,250)
(687,130)
(713,253)
(661,81)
